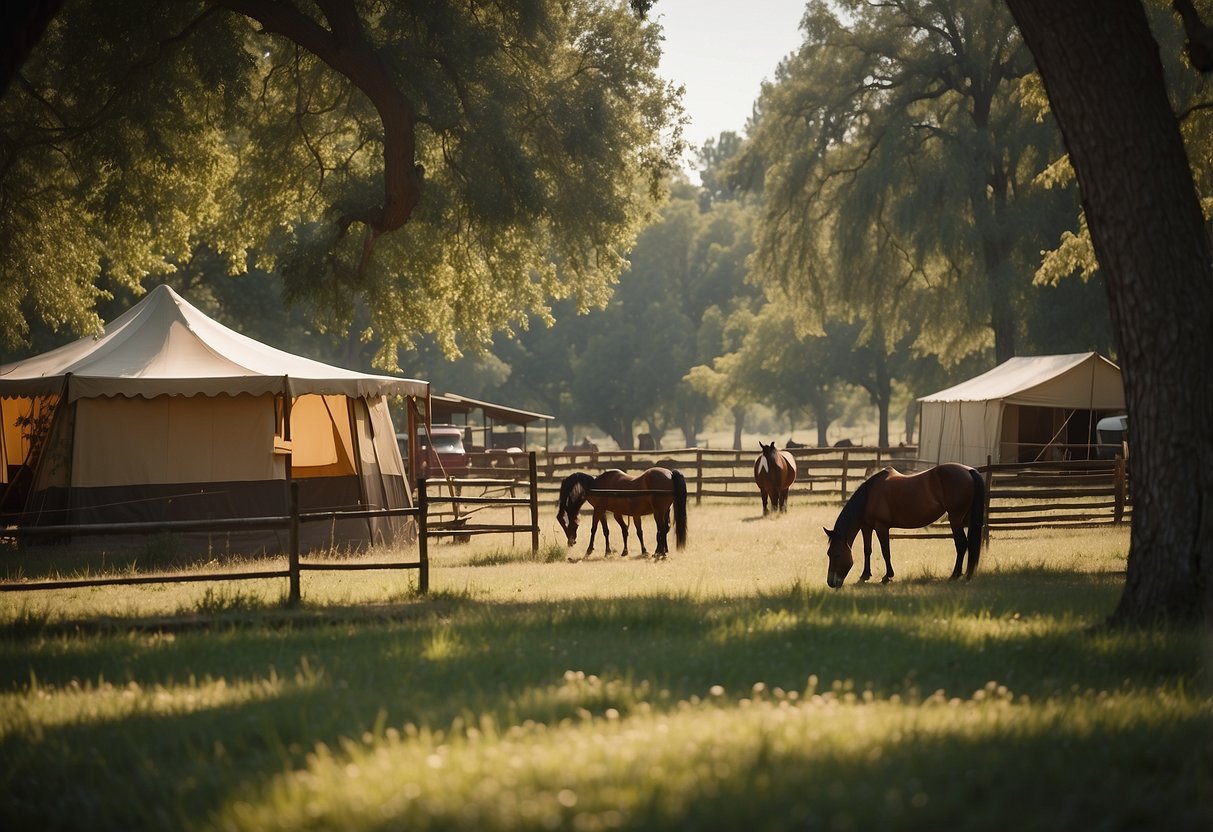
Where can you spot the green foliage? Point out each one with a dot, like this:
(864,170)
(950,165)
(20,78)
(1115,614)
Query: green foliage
(624,365)
(137,136)
(1073,255)
(898,172)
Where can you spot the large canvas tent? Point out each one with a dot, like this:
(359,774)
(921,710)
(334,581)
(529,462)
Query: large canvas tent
(170,415)
(1025,409)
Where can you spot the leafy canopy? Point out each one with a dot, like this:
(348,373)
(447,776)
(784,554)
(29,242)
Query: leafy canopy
(453,167)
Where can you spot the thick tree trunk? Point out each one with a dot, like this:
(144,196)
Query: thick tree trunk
(738,423)
(1104,78)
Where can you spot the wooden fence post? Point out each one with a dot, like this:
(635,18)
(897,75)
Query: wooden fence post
(423,531)
(293,553)
(1121,489)
(846,457)
(698,475)
(534,505)
(989,478)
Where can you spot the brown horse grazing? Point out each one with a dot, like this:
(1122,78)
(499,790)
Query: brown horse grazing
(576,487)
(889,499)
(658,490)
(774,471)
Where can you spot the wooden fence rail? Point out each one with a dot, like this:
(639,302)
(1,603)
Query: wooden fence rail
(827,473)
(522,478)
(1069,494)
(1078,493)
(1018,496)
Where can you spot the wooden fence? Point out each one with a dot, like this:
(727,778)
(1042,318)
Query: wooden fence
(491,490)
(1078,493)
(1070,494)
(1075,493)
(430,524)
(826,473)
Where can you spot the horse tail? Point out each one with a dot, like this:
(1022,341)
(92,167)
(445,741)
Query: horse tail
(680,509)
(977,513)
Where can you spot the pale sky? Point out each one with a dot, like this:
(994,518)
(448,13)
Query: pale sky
(722,50)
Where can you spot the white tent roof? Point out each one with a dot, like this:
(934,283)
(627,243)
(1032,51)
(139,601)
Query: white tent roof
(1079,380)
(164,346)
(964,423)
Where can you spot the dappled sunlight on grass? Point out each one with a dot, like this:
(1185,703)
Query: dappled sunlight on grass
(768,759)
(526,692)
(83,702)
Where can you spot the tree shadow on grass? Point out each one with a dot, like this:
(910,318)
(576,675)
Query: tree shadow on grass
(341,672)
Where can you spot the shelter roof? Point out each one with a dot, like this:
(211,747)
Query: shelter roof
(454,403)
(1075,380)
(165,346)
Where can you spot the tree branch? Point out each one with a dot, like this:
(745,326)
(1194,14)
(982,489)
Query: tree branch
(346,49)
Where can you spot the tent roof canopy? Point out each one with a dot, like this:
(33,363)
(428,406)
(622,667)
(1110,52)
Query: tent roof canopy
(164,346)
(1078,380)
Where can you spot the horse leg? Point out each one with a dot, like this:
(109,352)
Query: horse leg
(961,541)
(764,503)
(640,536)
(783,501)
(663,530)
(867,555)
(594,531)
(623,528)
(882,534)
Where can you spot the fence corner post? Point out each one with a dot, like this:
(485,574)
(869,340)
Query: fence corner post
(294,595)
(423,531)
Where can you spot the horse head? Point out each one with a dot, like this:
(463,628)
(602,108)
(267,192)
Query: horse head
(572,495)
(569,526)
(839,555)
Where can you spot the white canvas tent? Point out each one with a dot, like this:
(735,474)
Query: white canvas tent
(1027,408)
(172,416)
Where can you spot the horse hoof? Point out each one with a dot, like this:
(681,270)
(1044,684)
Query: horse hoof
(863,579)
(888,579)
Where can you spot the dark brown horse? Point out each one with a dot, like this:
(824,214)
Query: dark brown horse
(575,489)
(889,499)
(658,491)
(774,471)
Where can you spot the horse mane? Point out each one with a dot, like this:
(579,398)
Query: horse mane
(573,492)
(852,513)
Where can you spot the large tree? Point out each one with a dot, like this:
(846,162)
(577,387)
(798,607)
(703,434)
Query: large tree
(1105,82)
(687,273)
(901,124)
(451,166)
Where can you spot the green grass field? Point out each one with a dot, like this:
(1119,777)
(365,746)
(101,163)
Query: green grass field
(725,688)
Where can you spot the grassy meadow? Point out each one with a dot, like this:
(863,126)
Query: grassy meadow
(724,688)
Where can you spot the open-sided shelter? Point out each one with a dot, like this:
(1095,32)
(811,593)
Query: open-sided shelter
(172,416)
(501,428)
(1026,409)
